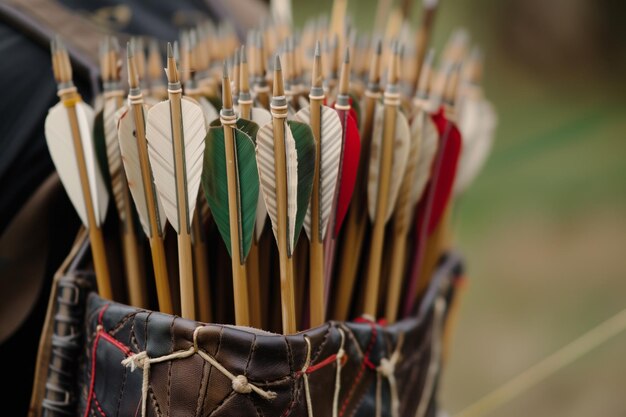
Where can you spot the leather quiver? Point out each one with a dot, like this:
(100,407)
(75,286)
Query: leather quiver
(101,358)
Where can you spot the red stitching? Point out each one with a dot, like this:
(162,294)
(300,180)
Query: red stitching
(92,382)
(125,349)
(98,406)
(102,313)
(93,373)
(365,363)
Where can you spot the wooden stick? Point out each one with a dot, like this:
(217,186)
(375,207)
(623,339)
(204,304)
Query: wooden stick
(260,84)
(137,292)
(279,113)
(69,97)
(386,163)
(201,266)
(240,280)
(424,33)
(356,222)
(253,262)
(198,241)
(185,257)
(316,253)
(155,237)
(403,214)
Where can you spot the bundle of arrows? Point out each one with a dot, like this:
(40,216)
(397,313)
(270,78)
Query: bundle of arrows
(359,139)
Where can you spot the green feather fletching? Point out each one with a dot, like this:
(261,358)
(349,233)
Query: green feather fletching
(215,184)
(305,148)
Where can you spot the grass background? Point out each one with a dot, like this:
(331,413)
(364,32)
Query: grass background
(543,228)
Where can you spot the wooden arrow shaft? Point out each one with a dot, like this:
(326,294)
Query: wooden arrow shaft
(356,222)
(396,273)
(98,249)
(201,268)
(185,258)
(137,294)
(378,233)
(156,239)
(288,305)
(240,280)
(316,251)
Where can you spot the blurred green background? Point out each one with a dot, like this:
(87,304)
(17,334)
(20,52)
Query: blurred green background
(543,228)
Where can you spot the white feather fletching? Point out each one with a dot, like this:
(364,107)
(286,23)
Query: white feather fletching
(161,152)
(267,177)
(61,146)
(404,208)
(477,129)
(430,143)
(114,157)
(132,166)
(261,117)
(330,157)
(400,157)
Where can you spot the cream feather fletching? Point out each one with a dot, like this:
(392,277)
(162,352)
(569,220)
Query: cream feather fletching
(423,124)
(261,117)
(60,143)
(400,157)
(404,206)
(330,156)
(477,127)
(161,151)
(130,156)
(210,113)
(114,157)
(267,177)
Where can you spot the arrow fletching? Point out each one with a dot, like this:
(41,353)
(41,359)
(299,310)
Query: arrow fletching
(330,157)
(300,165)
(161,151)
(215,184)
(59,139)
(132,166)
(400,157)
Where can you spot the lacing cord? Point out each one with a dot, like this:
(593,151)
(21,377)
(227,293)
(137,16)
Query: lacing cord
(387,369)
(240,383)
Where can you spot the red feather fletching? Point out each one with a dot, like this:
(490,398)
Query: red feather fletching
(445,171)
(348,167)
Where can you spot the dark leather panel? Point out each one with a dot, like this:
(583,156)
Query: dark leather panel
(191,386)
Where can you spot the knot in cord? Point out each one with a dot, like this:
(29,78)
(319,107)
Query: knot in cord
(240,384)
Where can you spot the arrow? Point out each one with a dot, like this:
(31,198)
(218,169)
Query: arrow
(261,117)
(436,196)
(175,131)
(68,128)
(231,186)
(286,163)
(477,121)
(356,224)
(347,175)
(190,47)
(134,150)
(113,102)
(421,153)
(326,127)
(388,158)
